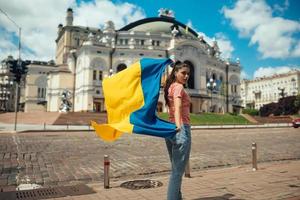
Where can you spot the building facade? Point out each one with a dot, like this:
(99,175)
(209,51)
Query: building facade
(84,56)
(258,92)
(33,95)
(32,87)
(7,87)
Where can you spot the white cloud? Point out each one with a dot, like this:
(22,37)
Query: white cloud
(190,24)
(269,71)
(95,14)
(224,43)
(39,21)
(273,35)
(280,9)
(296,52)
(244,75)
(5,41)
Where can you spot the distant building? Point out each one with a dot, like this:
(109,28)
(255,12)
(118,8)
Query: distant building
(258,92)
(33,96)
(85,55)
(7,88)
(32,90)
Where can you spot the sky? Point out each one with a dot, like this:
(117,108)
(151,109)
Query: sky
(263,34)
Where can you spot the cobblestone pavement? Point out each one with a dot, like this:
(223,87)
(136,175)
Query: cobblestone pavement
(273,181)
(51,158)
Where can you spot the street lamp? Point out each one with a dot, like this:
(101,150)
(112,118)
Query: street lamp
(211,85)
(111,72)
(174,33)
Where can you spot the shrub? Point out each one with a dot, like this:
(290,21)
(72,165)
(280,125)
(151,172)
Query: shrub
(250,111)
(285,106)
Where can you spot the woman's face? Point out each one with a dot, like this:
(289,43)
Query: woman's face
(182,75)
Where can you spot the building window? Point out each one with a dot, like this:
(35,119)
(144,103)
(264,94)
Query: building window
(42,93)
(39,93)
(121,67)
(126,41)
(94,75)
(77,41)
(142,42)
(100,75)
(157,43)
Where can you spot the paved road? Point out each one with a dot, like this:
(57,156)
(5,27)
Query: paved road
(52,158)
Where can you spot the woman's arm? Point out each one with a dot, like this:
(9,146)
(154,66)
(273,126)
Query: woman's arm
(177,113)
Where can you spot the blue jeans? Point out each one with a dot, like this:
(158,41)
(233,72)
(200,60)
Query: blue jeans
(179,147)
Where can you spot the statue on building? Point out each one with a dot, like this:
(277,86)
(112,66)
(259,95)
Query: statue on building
(109,27)
(65,101)
(215,50)
(166,13)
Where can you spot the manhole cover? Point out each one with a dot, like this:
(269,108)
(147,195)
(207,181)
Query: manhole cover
(141,184)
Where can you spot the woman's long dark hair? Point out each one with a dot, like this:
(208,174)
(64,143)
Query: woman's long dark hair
(172,78)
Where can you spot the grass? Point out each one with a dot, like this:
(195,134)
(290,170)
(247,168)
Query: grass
(212,119)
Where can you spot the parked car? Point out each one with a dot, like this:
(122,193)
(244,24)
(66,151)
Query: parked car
(296,122)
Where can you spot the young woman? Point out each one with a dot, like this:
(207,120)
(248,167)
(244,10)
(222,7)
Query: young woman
(179,145)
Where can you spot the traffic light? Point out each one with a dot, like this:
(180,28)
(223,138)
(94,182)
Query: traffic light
(24,68)
(12,65)
(18,68)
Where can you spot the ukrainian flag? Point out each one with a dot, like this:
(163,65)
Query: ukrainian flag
(131,98)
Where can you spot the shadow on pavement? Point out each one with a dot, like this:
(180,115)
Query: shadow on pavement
(227,196)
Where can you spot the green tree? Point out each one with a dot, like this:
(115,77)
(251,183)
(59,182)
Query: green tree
(297,102)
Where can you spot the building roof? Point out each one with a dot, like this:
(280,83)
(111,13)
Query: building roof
(264,78)
(159,25)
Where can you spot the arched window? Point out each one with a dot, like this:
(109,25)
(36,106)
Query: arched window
(214,76)
(207,76)
(121,67)
(221,85)
(221,78)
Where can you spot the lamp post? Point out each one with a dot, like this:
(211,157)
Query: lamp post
(227,85)
(111,72)
(174,33)
(211,85)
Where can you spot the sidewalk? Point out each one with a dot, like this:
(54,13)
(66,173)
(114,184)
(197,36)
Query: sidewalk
(4,127)
(276,180)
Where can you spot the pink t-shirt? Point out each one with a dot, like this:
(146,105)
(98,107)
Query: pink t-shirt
(177,90)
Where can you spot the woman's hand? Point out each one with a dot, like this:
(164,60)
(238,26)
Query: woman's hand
(178,129)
